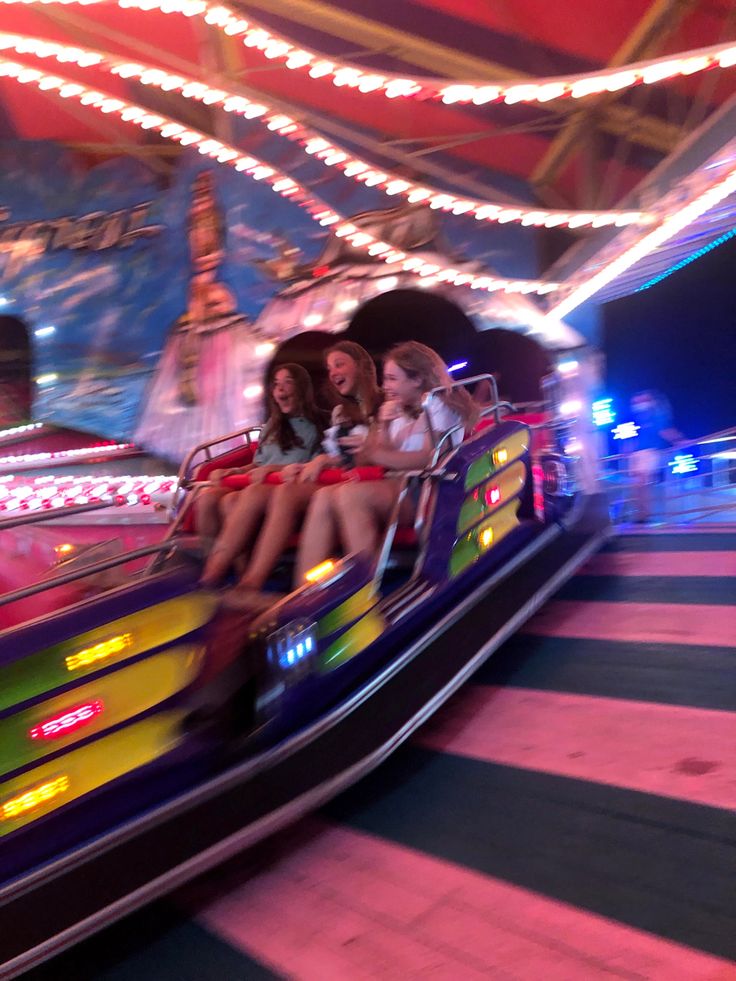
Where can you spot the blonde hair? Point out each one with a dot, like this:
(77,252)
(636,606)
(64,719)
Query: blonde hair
(424,365)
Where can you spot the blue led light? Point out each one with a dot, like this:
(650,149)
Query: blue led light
(685,262)
(684,463)
(603,412)
(458,365)
(625,430)
(292,644)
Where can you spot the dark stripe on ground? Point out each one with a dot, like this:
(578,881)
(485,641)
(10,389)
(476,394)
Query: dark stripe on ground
(156,943)
(672,674)
(685,542)
(657,864)
(652,589)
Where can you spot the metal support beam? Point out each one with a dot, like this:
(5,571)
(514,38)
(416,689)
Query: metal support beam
(438,59)
(661,19)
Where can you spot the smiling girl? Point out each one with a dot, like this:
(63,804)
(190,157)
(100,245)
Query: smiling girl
(352,376)
(290,436)
(404,438)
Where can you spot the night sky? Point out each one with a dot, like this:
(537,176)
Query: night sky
(679,337)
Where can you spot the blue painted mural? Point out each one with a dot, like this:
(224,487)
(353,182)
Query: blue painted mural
(101,264)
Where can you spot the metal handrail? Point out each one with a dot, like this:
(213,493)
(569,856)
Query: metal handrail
(102,566)
(36,517)
(205,448)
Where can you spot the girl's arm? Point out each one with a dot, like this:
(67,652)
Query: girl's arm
(397,459)
(259,473)
(312,470)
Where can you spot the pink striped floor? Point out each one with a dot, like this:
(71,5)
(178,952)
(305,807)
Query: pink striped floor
(343,904)
(664,623)
(662,564)
(672,751)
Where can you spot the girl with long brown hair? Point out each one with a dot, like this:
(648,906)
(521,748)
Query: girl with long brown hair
(291,435)
(352,376)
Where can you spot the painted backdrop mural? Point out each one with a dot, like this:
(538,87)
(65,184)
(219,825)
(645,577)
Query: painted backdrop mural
(142,294)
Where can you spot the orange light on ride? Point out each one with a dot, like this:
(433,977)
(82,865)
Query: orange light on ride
(486,537)
(500,456)
(64,550)
(98,652)
(319,572)
(34,797)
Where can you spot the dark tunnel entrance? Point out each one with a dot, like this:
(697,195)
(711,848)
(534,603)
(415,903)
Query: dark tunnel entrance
(408,314)
(16,370)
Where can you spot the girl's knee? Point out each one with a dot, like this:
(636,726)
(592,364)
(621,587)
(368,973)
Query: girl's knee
(323,500)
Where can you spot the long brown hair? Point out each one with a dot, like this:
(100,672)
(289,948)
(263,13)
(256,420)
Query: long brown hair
(278,428)
(424,365)
(368,397)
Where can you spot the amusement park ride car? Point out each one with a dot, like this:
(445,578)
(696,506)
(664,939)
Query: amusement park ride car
(150,731)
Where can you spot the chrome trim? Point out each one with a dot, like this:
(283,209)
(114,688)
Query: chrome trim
(101,566)
(50,514)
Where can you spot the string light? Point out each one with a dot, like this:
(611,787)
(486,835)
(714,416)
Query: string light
(24,459)
(314,144)
(670,226)
(176,131)
(276,48)
(48,492)
(19,430)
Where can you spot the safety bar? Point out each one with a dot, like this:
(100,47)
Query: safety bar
(102,566)
(393,523)
(36,517)
(205,448)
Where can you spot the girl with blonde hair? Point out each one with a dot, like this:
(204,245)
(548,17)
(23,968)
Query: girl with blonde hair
(403,438)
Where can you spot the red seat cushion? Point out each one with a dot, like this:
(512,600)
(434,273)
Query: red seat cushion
(239,457)
(329,476)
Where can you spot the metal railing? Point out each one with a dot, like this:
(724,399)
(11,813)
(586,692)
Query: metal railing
(37,517)
(188,464)
(83,572)
(707,494)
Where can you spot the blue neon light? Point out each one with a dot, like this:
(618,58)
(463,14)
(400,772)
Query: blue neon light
(684,463)
(291,646)
(686,262)
(603,412)
(458,365)
(625,430)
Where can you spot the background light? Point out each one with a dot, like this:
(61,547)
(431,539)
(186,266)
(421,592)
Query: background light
(625,430)
(603,412)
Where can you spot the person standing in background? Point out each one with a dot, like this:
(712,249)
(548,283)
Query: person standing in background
(652,414)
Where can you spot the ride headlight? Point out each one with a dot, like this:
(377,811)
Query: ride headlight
(293,647)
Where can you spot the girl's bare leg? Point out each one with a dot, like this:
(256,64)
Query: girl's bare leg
(227,504)
(364,511)
(320,534)
(240,526)
(207,510)
(286,506)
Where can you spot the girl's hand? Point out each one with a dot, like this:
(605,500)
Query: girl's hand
(310,471)
(388,411)
(365,454)
(215,476)
(354,442)
(258,475)
(291,473)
